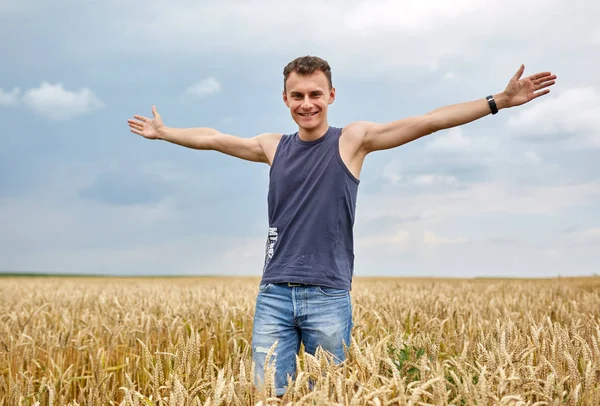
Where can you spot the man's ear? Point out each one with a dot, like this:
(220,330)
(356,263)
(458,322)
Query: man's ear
(285,98)
(331,95)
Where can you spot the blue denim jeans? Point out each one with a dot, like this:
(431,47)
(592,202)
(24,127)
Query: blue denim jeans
(289,315)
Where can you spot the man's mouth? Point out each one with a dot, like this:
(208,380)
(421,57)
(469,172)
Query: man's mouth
(307,114)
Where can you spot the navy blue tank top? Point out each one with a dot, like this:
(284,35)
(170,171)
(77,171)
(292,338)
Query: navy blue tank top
(311,205)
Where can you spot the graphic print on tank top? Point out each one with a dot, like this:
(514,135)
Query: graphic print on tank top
(271,240)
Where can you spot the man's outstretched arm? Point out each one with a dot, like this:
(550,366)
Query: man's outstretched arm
(256,149)
(518,91)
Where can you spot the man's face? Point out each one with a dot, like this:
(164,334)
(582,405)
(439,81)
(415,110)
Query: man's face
(308,97)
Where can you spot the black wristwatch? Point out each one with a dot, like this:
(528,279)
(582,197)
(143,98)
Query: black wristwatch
(492,103)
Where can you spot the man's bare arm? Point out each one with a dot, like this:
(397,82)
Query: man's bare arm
(518,91)
(257,149)
(250,149)
(390,135)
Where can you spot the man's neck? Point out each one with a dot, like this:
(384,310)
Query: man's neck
(313,134)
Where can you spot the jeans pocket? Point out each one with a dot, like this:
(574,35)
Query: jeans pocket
(332,292)
(264,286)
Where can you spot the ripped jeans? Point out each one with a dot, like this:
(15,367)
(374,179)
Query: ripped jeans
(289,315)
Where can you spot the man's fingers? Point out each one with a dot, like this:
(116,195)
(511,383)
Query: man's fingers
(543,82)
(536,95)
(519,72)
(541,76)
(138,132)
(154,112)
(135,124)
(141,118)
(543,79)
(544,85)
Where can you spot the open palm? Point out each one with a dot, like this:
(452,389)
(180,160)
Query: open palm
(146,127)
(520,91)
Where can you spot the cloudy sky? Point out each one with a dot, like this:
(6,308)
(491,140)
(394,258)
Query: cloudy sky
(516,194)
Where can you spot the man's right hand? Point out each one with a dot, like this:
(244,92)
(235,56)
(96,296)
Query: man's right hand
(146,127)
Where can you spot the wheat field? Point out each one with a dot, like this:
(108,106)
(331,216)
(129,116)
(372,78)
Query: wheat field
(186,341)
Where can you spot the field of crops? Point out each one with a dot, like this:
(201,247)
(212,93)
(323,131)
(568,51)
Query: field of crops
(186,341)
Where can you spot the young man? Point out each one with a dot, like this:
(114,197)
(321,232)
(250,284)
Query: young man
(304,293)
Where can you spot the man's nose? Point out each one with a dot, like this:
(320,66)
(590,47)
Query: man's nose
(306,103)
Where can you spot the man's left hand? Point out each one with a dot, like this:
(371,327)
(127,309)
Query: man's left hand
(520,91)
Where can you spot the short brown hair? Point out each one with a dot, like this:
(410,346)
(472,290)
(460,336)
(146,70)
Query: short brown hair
(307,65)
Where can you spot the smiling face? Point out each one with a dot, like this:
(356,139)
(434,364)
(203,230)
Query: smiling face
(308,97)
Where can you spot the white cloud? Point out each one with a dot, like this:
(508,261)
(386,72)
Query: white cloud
(10,98)
(390,173)
(449,76)
(474,38)
(500,197)
(533,158)
(54,102)
(413,33)
(52,232)
(586,236)
(478,145)
(450,140)
(574,113)
(413,16)
(480,198)
(551,253)
(595,37)
(204,88)
(477,39)
(430,238)
(433,179)
(393,174)
(410,239)
(398,238)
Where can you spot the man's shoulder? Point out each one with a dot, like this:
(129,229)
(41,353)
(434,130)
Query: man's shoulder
(271,136)
(269,143)
(354,133)
(355,129)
